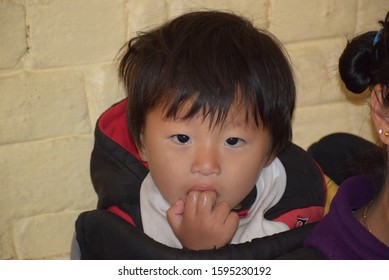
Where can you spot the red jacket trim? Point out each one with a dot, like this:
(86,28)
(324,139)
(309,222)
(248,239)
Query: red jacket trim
(113,123)
(117,211)
(299,217)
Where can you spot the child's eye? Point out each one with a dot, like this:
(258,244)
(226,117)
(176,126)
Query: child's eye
(234,142)
(181,139)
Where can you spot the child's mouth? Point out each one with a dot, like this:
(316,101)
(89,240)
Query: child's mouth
(202,188)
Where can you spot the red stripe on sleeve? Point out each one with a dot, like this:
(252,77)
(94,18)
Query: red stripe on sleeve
(117,211)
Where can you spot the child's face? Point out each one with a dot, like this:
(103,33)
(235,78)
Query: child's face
(187,155)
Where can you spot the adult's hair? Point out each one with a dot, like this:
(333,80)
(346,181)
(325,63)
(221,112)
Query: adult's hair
(365,60)
(210,59)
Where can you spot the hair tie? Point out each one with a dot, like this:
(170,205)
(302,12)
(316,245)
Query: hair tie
(375,41)
(377,37)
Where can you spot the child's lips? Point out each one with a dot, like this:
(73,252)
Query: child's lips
(202,188)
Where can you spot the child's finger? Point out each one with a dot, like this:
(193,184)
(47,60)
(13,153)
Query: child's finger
(232,221)
(191,203)
(174,214)
(206,202)
(221,211)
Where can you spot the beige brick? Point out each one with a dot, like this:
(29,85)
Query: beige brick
(143,18)
(145,14)
(45,236)
(323,84)
(44,177)
(253,9)
(13,33)
(369,13)
(73,32)
(36,105)
(103,89)
(313,122)
(297,20)
(7,251)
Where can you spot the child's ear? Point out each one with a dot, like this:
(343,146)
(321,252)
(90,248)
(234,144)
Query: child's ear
(142,149)
(379,114)
(269,159)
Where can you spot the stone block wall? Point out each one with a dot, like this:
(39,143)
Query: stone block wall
(57,75)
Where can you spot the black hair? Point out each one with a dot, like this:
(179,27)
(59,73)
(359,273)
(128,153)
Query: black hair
(211,59)
(365,60)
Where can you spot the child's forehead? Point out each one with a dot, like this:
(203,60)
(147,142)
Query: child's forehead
(236,115)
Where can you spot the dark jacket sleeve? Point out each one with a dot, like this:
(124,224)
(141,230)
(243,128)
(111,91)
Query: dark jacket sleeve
(124,241)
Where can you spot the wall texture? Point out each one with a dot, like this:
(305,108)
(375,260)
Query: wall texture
(57,75)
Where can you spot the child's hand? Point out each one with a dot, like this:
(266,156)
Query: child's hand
(199,224)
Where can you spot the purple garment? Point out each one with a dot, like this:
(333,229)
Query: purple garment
(340,235)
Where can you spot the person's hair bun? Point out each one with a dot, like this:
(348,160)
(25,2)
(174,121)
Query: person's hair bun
(356,63)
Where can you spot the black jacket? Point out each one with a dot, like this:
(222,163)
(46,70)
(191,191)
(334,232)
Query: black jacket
(117,173)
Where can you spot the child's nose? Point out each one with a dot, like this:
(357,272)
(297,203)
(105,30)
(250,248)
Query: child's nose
(206,162)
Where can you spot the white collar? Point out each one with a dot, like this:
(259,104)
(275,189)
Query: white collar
(270,188)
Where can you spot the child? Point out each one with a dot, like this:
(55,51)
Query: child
(207,161)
